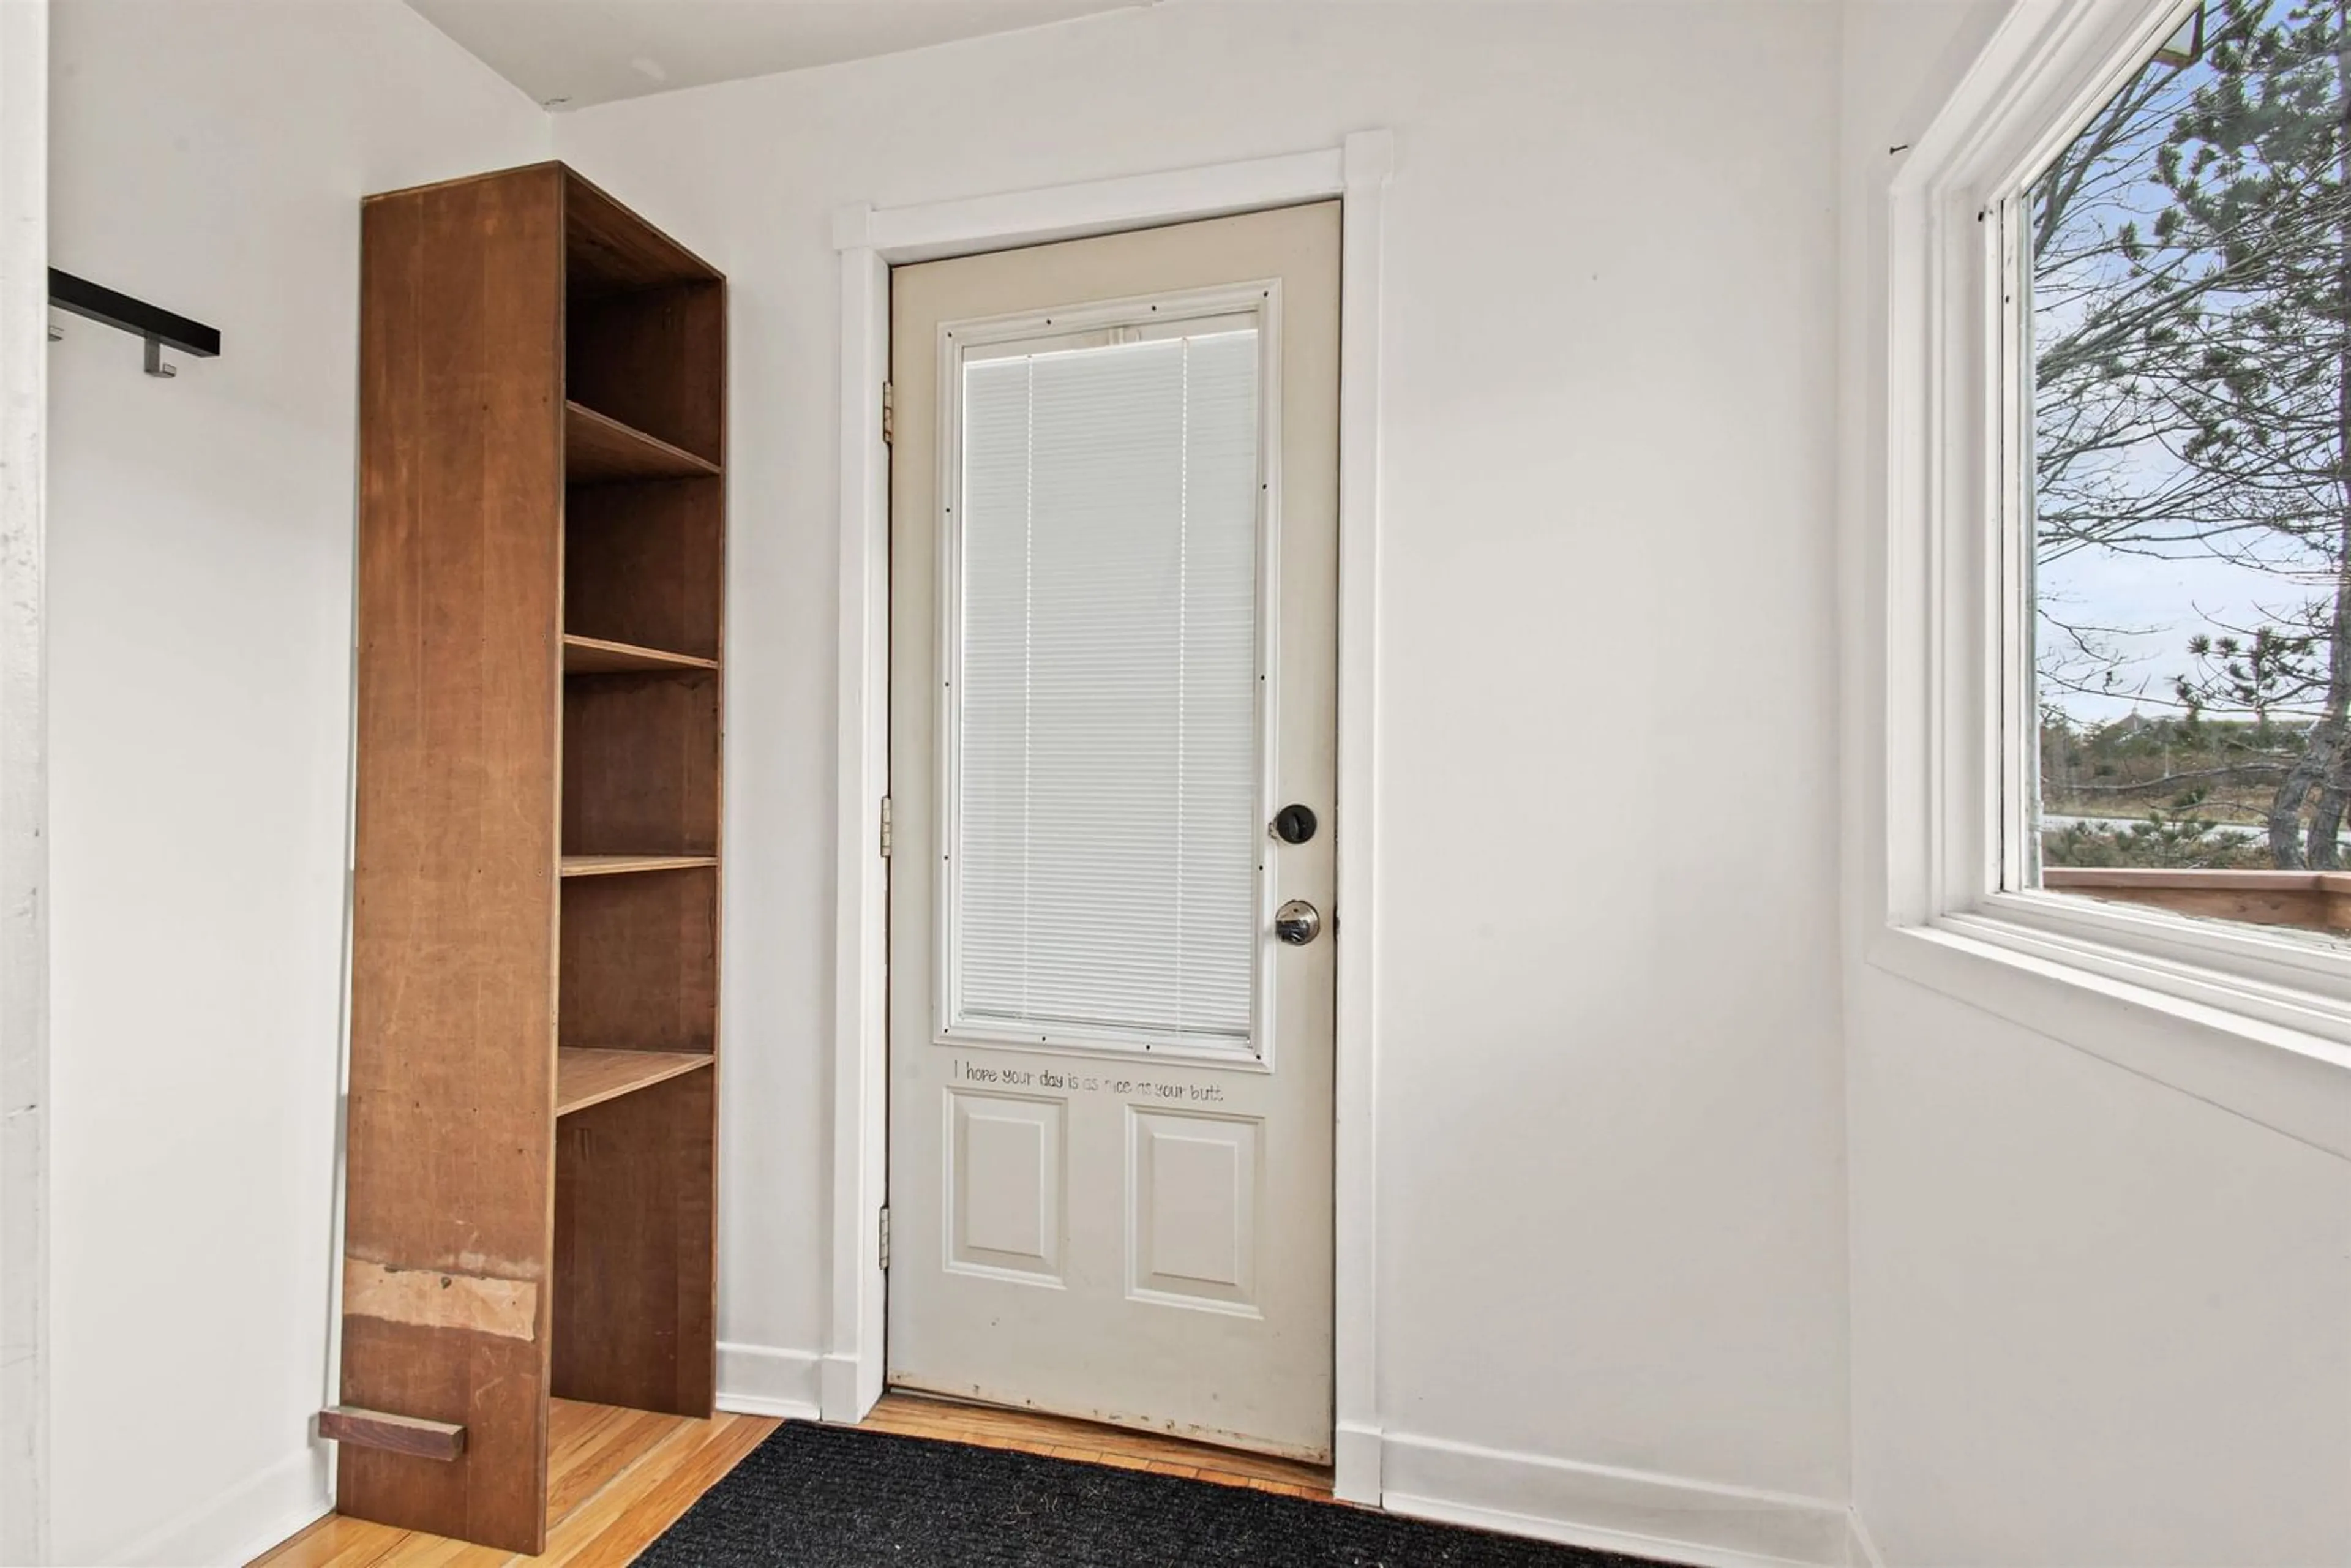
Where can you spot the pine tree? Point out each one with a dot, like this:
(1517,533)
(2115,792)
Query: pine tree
(2218,337)
(2257,173)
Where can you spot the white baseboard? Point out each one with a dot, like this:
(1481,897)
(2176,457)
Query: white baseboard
(242,1522)
(248,1520)
(763,1380)
(1598,1507)
(1605,1509)
(1861,1547)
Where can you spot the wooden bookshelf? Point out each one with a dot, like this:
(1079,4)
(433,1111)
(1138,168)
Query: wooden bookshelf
(585,1077)
(532,1145)
(597,448)
(597,656)
(622,865)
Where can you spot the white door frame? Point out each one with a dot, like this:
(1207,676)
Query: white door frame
(24,784)
(870,240)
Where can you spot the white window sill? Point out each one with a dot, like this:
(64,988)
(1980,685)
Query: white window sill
(2273,1055)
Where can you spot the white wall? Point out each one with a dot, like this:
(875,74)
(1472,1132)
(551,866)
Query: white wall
(209,155)
(1612,1205)
(2094,1319)
(2097,1320)
(23,778)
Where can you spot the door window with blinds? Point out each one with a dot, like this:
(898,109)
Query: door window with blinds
(1107,542)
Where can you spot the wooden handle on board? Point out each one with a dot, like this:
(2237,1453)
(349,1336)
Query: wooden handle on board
(408,1435)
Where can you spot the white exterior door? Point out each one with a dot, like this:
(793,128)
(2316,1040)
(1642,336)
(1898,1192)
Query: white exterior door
(1115,487)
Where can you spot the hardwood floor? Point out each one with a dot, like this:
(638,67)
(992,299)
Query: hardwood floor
(617,1478)
(989,1427)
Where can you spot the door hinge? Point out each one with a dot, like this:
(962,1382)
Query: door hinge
(885,827)
(889,415)
(885,1239)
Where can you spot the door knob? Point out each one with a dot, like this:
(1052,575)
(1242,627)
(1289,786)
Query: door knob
(1298,923)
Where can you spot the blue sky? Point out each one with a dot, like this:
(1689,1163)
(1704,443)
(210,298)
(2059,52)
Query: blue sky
(2147,606)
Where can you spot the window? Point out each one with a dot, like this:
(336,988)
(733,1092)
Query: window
(1980,900)
(1104,725)
(2181,317)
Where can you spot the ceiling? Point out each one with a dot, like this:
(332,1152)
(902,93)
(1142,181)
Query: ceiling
(568,54)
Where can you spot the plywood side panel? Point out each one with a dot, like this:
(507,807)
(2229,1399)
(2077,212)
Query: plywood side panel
(641,961)
(640,764)
(452,1006)
(635,1281)
(496,1388)
(609,249)
(647,358)
(646,563)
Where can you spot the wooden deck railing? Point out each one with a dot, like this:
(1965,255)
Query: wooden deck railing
(2311,900)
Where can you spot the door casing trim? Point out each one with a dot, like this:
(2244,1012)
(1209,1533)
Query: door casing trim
(26,1129)
(869,241)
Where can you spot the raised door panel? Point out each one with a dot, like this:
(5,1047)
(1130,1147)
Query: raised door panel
(1006,1162)
(1193,1223)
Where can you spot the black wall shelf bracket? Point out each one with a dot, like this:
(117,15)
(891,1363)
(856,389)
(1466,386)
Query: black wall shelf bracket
(159,328)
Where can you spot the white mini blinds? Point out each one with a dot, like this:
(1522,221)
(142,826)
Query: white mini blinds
(1103,854)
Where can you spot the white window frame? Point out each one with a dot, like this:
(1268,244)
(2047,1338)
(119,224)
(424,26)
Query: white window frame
(1958,692)
(1254,305)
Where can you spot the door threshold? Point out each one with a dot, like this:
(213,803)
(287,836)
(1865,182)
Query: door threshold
(910,1415)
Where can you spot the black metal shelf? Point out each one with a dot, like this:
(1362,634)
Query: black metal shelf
(158,327)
